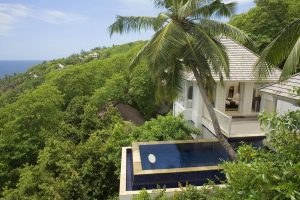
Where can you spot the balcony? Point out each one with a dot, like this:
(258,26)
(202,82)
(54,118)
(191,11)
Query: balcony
(234,126)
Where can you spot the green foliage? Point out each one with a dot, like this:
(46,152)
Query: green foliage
(143,195)
(281,52)
(190,193)
(83,161)
(67,171)
(49,103)
(23,127)
(75,110)
(266,20)
(141,90)
(283,133)
(114,89)
(165,128)
(76,81)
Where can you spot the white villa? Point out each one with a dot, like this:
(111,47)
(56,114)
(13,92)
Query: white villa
(237,102)
(281,97)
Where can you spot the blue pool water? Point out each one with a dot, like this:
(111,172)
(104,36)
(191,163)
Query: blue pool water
(170,156)
(178,156)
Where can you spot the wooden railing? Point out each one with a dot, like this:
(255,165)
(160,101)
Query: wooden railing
(225,121)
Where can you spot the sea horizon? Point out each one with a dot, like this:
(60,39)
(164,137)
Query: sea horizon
(11,67)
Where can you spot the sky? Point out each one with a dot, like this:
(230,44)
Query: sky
(49,29)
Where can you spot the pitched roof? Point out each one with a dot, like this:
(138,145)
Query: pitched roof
(128,113)
(284,88)
(241,63)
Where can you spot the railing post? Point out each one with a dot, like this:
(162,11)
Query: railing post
(230,123)
(223,118)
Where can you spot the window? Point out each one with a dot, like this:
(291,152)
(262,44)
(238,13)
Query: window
(190,97)
(190,93)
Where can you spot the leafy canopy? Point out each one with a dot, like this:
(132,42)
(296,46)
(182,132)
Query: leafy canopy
(263,22)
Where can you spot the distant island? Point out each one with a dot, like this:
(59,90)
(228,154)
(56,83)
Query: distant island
(9,67)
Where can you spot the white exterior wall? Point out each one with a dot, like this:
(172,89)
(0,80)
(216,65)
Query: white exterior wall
(268,103)
(197,109)
(283,107)
(195,112)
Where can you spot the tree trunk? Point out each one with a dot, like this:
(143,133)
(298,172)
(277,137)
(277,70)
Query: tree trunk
(213,116)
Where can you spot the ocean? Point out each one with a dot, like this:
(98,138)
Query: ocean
(9,67)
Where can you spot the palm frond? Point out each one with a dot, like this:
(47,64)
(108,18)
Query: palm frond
(164,47)
(213,51)
(169,83)
(160,20)
(218,29)
(279,50)
(162,3)
(127,24)
(193,57)
(225,10)
(292,62)
(187,8)
(214,7)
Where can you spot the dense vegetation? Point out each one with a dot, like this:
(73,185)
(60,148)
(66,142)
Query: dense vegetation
(54,146)
(263,22)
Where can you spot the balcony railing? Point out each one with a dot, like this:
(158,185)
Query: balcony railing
(225,121)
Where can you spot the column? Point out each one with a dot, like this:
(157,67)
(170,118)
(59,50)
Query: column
(246,97)
(220,97)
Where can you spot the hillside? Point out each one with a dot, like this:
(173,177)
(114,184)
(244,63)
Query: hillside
(53,145)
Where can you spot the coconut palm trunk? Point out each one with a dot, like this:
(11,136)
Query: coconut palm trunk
(213,116)
(185,39)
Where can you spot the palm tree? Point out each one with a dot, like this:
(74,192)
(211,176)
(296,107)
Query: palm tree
(283,50)
(185,40)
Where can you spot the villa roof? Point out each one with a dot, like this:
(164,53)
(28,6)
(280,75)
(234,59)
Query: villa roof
(128,112)
(241,63)
(284,88)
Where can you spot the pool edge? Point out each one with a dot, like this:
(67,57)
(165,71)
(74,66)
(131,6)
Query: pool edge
(128,195)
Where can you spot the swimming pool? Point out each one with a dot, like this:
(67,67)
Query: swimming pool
(169,164)
(182,155)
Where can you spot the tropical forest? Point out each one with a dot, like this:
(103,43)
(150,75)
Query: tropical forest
(63,122)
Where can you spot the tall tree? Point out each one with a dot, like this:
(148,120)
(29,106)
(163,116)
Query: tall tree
(185,39)
(283,50)
(263,22)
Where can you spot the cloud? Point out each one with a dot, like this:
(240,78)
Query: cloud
(59,17)
(11,14)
